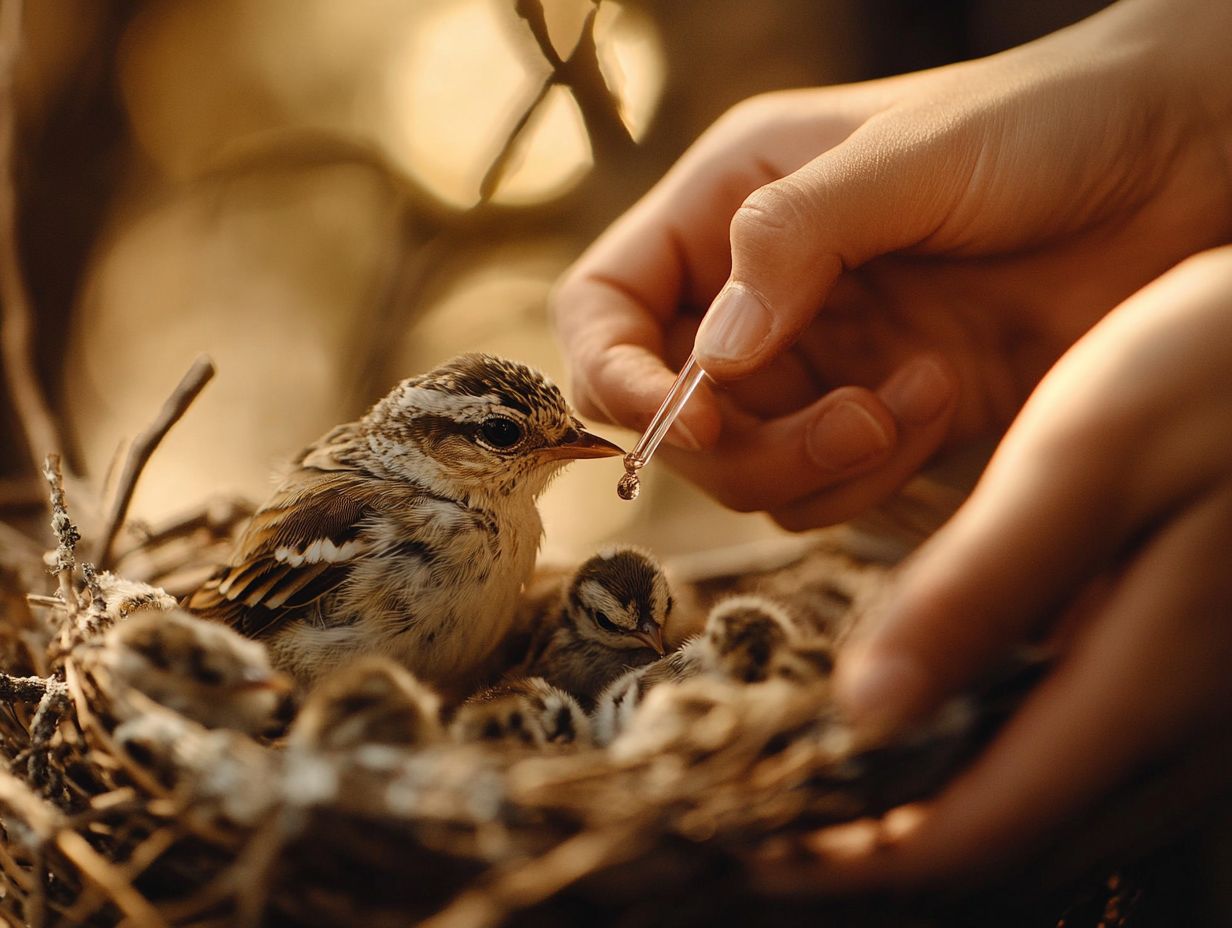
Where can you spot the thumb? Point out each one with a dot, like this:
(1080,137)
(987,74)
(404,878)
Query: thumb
(885,188)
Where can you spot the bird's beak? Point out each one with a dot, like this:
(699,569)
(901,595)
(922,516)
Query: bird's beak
(653,637)
(273,680)
(578,444)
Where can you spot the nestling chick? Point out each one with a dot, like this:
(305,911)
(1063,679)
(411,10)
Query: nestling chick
(610,619)
(747,639)
(202,670)
(408,532)
(617,703)
(528,711)
(370,701)
(681,718)
(752,639)
(221,776)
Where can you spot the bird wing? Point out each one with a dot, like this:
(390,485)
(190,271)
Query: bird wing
(301,545)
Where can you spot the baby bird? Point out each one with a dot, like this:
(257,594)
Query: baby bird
(408,532)
(370,701)
(529,712)
(620,699)
(610,619)
(200,669)
(747,639)
(752,639)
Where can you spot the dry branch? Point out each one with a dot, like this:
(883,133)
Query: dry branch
(66,534)
(496,171)
(201,372)
(25,689)
(580,72)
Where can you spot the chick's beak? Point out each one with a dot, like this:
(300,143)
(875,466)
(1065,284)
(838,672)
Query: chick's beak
(578,444)
(272,680)
(653,637)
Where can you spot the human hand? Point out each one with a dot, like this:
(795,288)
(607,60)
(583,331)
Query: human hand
(1118,469)
(899,262)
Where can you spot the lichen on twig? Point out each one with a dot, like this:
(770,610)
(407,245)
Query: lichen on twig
(67,536)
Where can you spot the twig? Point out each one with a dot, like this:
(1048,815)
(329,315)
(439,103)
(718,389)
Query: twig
(109,878)
(47,716)
(496,171)
(532,12)
(66,534)
(139,860)
(26,689)
(96,619)
(536,20)
(218,516)
(40,431)
(38,897)
(609,136)
(177,404)
(42,820)
(536,880)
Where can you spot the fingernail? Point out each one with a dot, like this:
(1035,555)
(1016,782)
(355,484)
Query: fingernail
(878,693)
(736,325)
(847,434)
(919,392)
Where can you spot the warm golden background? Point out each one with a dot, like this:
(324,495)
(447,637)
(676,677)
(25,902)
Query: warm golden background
(329,195)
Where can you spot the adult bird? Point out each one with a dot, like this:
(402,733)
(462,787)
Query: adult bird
(408,532)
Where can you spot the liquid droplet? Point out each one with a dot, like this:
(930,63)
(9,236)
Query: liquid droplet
(629,486)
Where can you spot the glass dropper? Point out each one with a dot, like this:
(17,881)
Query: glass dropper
(687,381)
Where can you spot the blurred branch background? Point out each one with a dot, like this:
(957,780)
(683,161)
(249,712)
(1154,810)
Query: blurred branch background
(329,196)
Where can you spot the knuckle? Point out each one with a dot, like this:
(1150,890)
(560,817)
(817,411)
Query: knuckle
(774,212)
(752,114)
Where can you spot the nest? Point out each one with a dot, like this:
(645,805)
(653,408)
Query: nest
(179,824)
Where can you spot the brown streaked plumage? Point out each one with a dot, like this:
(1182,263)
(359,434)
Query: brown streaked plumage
(752,639)
(369,701)
(610,619)
(409,532)
(748,639)
(202,670)
(529,712)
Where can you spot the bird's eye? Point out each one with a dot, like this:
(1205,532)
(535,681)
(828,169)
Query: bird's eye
(500,432)
(605,623)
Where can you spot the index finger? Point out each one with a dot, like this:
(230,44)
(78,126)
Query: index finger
(672,250)
(613,307)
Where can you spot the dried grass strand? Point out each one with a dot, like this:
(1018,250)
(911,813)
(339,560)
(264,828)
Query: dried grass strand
(110,879)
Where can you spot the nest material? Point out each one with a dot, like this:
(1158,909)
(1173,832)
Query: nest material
(116,808)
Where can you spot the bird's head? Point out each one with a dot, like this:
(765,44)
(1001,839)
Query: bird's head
(478,424)
(620,598)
